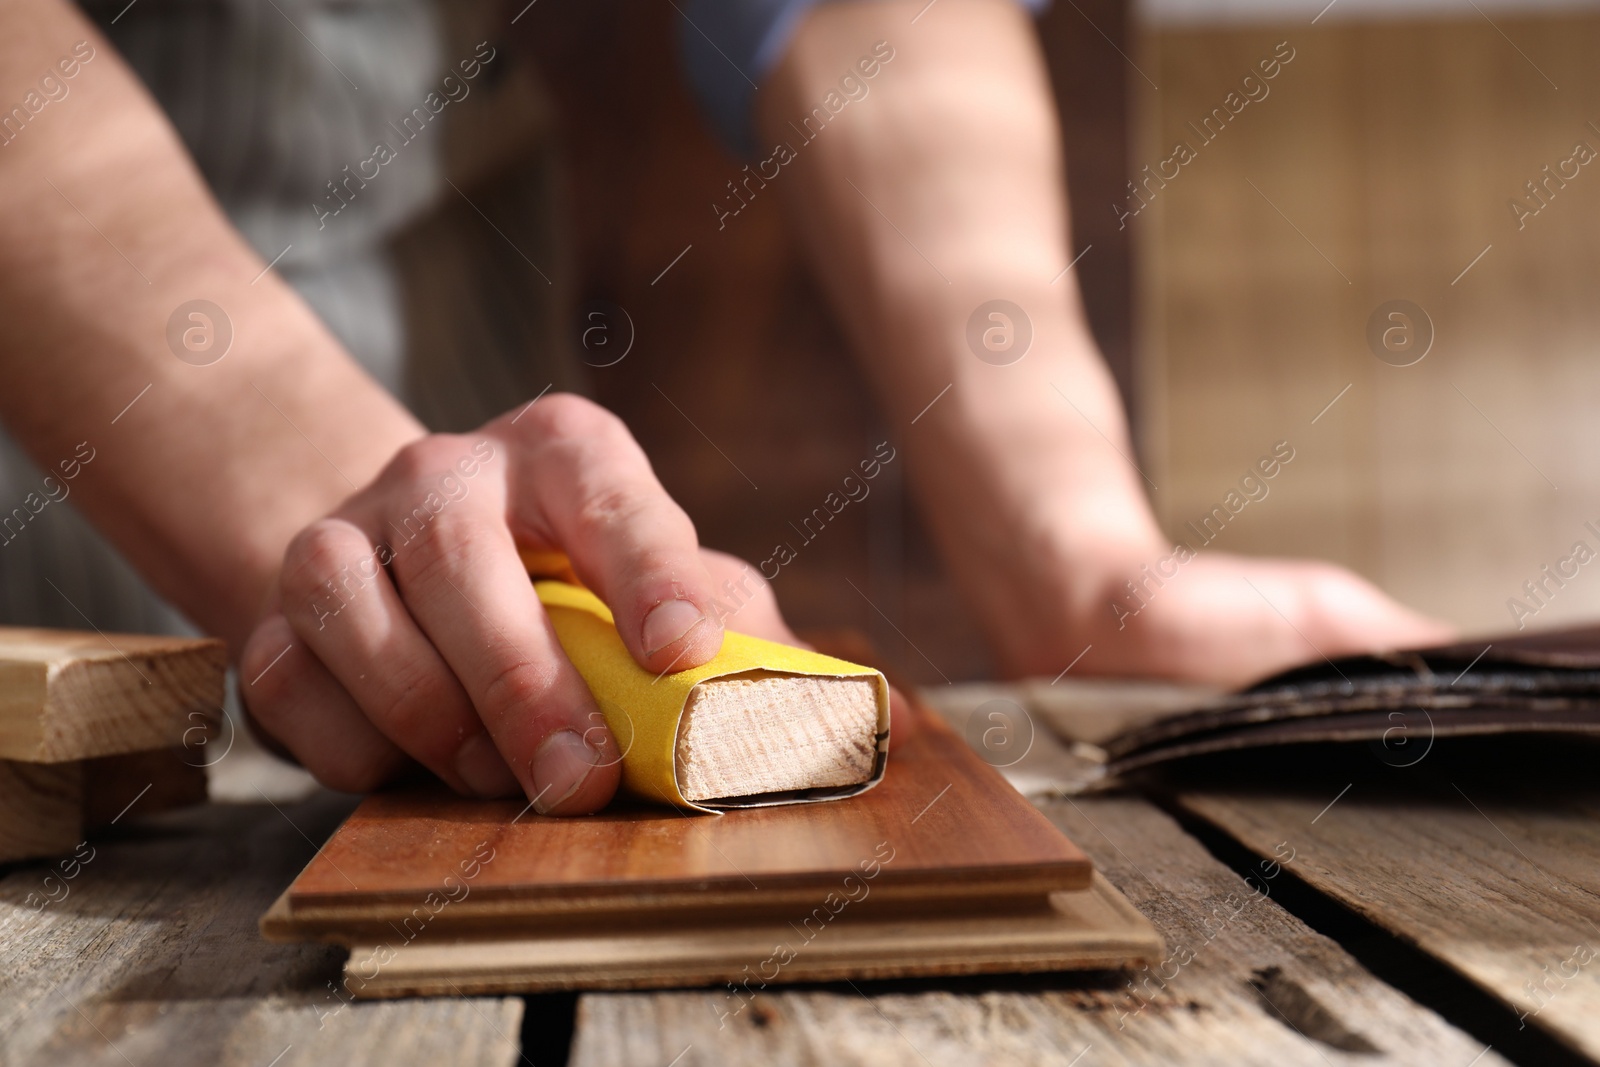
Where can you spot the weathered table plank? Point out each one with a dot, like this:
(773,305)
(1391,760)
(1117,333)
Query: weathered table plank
(1494,872)
(1246,983)
(149,953)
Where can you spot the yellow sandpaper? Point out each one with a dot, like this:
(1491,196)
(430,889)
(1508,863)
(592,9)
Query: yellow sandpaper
(644,710)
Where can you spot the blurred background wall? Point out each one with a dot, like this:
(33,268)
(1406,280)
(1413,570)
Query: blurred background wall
(1383,165)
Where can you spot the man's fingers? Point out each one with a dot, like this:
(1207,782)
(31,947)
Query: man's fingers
(294,700)
(460,577)
(341,603)
(583,483)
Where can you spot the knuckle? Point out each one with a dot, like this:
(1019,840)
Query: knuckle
(445,544)
(313,559)
(422,706)
(521,685)
(566,417)
(424,458)
(609,507)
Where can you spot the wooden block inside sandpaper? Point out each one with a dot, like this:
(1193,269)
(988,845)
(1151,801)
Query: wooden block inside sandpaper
(768,732)
(762,723)
(69,695)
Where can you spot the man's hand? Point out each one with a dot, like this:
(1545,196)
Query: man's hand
(405,627)
(1221,619)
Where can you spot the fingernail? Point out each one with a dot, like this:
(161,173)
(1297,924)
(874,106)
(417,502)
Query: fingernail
(479,764)
(668,621)
(560,768)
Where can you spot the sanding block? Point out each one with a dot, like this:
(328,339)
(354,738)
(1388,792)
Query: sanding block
(762,723)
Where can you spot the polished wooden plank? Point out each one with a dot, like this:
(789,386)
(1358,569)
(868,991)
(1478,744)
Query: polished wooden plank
(947,819)
(829,938)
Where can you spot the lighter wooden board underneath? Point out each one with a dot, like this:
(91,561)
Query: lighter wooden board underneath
(1089,929)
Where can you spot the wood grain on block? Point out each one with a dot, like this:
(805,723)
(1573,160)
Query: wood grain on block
(1092,929)
(141,783)
(41,809)
(942,826)
(46,809)
(766,732)
(67,695)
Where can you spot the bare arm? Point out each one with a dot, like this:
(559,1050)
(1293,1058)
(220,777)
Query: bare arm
(942,189)
(109,228)
(366,575)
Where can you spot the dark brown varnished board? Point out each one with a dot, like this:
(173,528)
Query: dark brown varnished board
(942,825)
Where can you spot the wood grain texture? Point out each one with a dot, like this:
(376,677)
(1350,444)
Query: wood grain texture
(765,732)
(1486,867)
(151,956)
(46,809)
(41,808)
(1209,1012)
(68,695)
(141,783)
(836,938)
(952,823)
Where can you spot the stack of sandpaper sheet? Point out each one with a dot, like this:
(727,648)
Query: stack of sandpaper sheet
(1400,702)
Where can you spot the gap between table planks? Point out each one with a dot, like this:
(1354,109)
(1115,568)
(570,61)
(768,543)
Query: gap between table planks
(153,956)
(1494,875)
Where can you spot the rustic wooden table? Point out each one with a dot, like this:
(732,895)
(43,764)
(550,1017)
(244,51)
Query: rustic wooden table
(1364,908)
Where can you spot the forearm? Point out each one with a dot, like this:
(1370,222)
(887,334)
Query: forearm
(940,190)
(203,480)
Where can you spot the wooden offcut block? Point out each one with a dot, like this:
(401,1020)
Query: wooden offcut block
(70,695)
(92,723)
